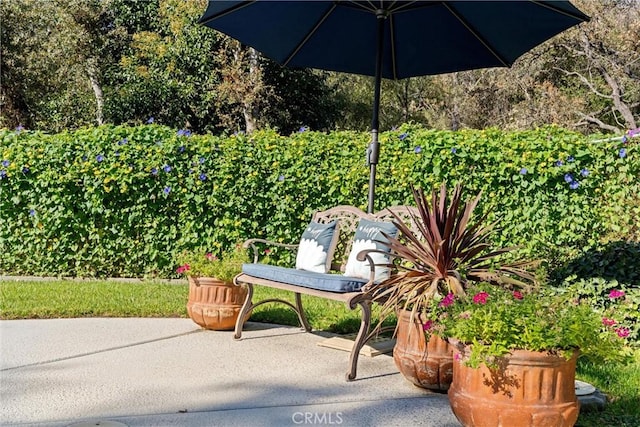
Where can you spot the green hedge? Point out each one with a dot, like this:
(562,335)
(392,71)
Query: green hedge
(123,201)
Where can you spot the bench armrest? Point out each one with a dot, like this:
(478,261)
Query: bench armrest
(251,243)
(365,255)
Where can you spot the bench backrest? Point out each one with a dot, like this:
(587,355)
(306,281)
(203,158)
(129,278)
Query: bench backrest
(349,216)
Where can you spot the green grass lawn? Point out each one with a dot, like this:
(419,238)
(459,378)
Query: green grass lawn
(89,298)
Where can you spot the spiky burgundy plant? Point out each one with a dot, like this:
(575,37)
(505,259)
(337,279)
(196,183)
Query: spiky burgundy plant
(447,255)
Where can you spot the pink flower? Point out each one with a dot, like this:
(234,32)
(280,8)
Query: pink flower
(267,251)
(211,257)
(480,298)
(183,268)
(616,294)
(427,325)
(457,356)
(608,322)
(622,332)
(517,295)
(447,301)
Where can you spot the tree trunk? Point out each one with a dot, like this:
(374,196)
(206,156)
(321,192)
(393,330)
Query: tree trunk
(250,108)
(92,72)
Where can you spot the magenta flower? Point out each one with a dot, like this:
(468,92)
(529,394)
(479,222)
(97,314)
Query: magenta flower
(517,295)
(427,325)
(447,301)
(608,322)
(622,332)
(183,268)
(614,294)
(480,298)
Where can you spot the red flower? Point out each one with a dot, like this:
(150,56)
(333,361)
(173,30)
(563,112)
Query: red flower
(517,295)
(480,298)
(608,322)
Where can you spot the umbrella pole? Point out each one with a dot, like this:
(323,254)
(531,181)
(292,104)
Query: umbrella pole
(373,152)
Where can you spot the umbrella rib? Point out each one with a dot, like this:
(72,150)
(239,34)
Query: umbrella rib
(225,12)
(476,35)
(308,36)
(579,17)
(394,67)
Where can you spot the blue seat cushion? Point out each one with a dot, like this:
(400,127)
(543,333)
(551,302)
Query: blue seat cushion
(308,279)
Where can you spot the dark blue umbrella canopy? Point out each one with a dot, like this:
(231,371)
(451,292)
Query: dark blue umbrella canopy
(392,39)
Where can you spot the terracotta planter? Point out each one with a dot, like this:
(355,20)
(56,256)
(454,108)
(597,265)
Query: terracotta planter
(426,364)
(527,389)
(214,304)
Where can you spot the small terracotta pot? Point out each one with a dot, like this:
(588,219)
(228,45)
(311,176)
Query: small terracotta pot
(526,389)
(214,304)
(427,364)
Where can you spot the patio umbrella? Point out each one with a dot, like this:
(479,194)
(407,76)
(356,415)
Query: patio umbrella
(391,39)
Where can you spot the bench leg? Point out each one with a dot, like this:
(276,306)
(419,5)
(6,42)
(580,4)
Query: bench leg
(246,306)
(361,339)
(301,316)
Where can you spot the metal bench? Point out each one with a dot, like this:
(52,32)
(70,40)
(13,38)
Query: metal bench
(348,217)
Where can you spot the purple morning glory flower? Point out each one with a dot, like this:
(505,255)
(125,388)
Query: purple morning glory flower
(25,170)
(84,158)
(32,212)
(19,129)
(181,149)
(523,171)
(99,158)
(574,185)
(3,174)
(558,163)
(625,139)
(303,129)
(166,190)
(568,178)
(150,121)
(180,132)
(201,160)
(633,132)
(203,177)
(454,150)
(584,172)
(570,159)
(622,153)
(154,171)
(403,136)
(417,150)
(166,168)
(6,163)
(281,178)
(123,141)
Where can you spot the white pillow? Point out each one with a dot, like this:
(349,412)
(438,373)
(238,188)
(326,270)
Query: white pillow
(316,247)
(368,236)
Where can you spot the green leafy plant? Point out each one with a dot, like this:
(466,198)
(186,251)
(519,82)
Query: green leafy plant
(99,201)
(493,321)
(205,264)
(446,256)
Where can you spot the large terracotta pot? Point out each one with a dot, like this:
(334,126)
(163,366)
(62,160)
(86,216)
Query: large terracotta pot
(527,389)
(427,364)
(214,304)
